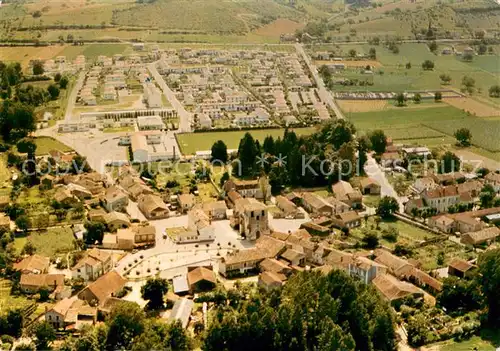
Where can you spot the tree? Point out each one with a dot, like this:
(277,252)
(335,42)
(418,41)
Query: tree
(370,240)
(468,57)
(463,136)
(17,120)
(428,65)
(53,91)
(247,154)
(269,146)
(378,141)
(44,334)
(373,53)
(460,295)
(38,68)
(417,98)
(482,49)
(494,91)
(387,206)
(352,53)
(95,232)
(153,292)
(401,99)
(79,165)
(57,77)
(22,222)
(489,279)
(313,311)
(219,152)
(63,83)
(438,96)
(449,163)
(487,196)
(224,178)
(126,322)
(29,147)
(277,178)
(433,46)
(445,78)
(468,84)
(28,249)
(408,65)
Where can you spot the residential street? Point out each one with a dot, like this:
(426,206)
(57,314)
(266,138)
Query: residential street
(185,117)
(323,92)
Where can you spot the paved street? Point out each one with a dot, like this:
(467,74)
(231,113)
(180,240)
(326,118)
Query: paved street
(373,170)
(323,92)
(185,117)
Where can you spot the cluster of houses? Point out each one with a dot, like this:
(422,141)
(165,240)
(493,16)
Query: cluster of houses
(61,64)
(206,83)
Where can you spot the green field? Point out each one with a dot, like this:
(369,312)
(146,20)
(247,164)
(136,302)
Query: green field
(92,51)
(429,125)
(45,144)
(52,242)
(192,142)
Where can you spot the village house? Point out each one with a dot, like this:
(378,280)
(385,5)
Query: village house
(105,286)
(199,228)
(32,283)
(64,197)
(94,264)
(258,188)
(315,229)
(289,209)
(247,260)
(63,313)
(186,202)
(181,311)
(441,198)
(34,264)
(271,280)
(153,207)
(369,186)
(201,279)
(316,205)
(139,235)
(448,178)
(460,268)
(415,203)
(115,199)
(294,257)
(348,220)
(251,218)
(484,236)
(365,269)
(444,223)
(424,183)
(96,215)
(394,290)
(79,191)
(116,220)
(395,265)
(344,192)
(216,210)
(493,179)
(276,266)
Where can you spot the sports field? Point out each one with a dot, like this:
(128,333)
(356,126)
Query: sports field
(192,142)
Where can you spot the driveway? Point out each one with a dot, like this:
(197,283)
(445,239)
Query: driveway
(374,171)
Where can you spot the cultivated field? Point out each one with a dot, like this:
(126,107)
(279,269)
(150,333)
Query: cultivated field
(278,27)
(352,63)
(474,107)
(192,142)
(362,105)
(53,241)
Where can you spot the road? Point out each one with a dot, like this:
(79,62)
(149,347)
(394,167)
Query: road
(185,117)
(72,98)
(374,171)
(323,92)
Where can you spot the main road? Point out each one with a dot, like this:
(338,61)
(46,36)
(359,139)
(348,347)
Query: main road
(185,117)
(68,116)
(323,92)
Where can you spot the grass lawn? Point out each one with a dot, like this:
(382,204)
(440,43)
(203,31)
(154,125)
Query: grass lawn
(45,144)
(4,171)
(9,302)
(92,51)
(52,241)
(371,200)
(474,343)
(192,142)
(118,130)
